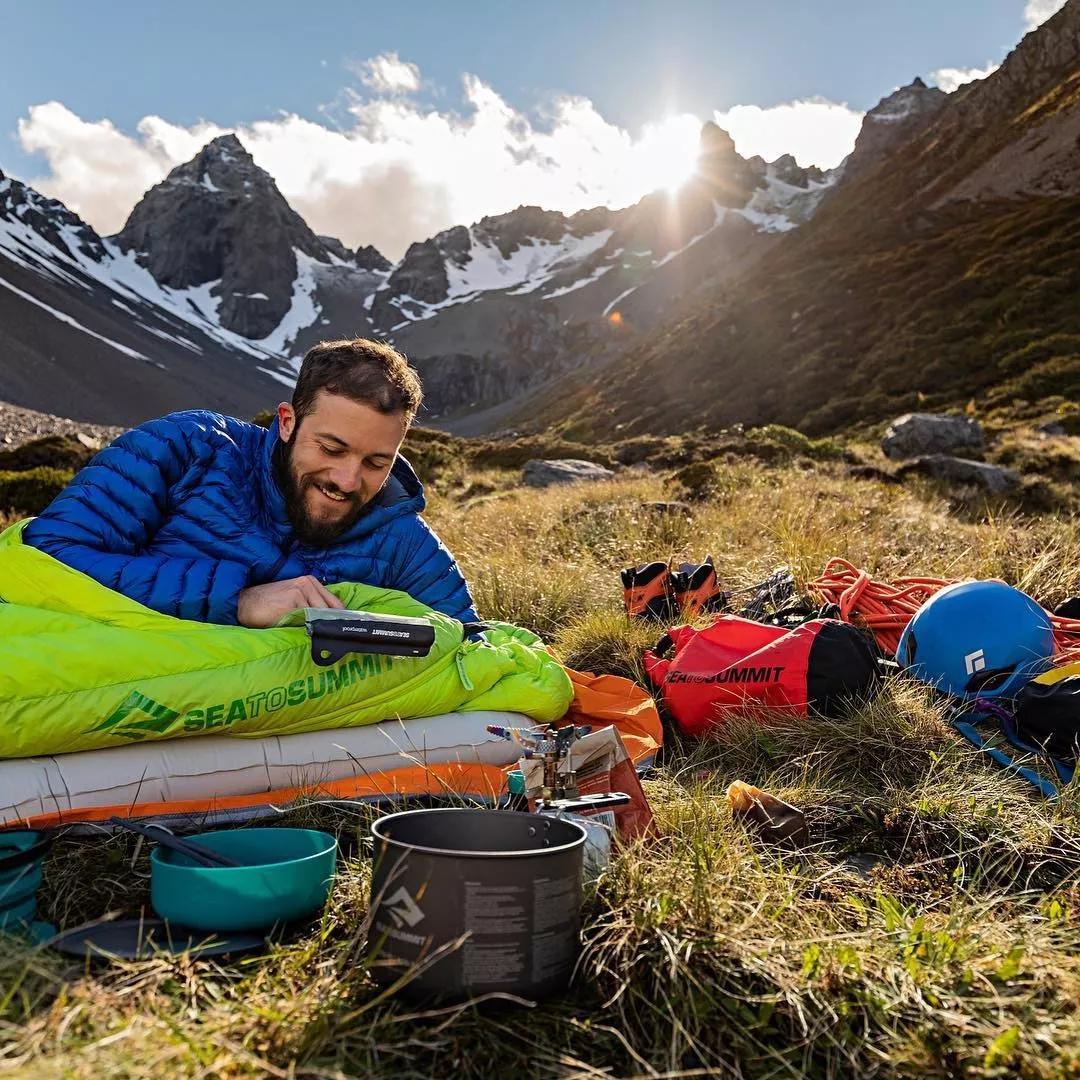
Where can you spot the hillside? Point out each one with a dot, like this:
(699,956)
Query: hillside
(947,269)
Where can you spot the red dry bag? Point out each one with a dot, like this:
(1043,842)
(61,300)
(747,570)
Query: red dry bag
(739,664)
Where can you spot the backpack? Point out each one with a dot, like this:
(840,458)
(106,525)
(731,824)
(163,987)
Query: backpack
(1048,712)
(738,664)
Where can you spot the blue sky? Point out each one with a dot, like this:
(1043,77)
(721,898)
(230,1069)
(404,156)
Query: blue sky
(202,67)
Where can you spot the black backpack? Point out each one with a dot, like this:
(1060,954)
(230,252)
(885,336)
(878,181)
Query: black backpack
(1048,715)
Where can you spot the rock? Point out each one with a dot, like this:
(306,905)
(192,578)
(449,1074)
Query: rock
(88,440)
(993,479)
(1052,428)
(543,474)
(917,434)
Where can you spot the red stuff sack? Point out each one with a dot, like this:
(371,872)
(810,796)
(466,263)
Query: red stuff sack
(739,664)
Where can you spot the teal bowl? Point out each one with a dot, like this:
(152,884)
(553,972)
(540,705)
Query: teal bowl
(19,882)
(286,875)
(19,916)
(11,843)
(16,885)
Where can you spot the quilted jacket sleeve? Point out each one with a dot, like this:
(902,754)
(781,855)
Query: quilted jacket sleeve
(424,569)
(103,520)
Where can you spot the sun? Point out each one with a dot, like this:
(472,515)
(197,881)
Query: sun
(669,151)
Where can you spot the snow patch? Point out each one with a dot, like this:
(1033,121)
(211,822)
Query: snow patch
(778,206)
(618,299)
(596,275)
(302,313)
(288,378)
(209,184)
(69,321)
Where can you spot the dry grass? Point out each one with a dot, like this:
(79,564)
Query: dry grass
(931,929)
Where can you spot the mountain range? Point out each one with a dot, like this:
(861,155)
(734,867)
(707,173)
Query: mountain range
(215,263)
(938,261)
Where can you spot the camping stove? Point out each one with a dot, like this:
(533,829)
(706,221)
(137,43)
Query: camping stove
(551,745)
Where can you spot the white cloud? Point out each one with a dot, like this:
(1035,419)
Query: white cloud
(950,78)
(388,74)
(99,171)
(1036,12)
(816,132)
(394,172)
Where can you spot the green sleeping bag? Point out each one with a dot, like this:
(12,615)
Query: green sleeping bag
(83,667)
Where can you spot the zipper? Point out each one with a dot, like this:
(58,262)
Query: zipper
(290,547)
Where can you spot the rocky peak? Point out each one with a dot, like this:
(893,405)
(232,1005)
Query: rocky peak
(894,120)
(729,177)
(49,218)
(914,100)
(365,258)
(526,224)
(370,257)
(220,218)
(421,274)
(787,169)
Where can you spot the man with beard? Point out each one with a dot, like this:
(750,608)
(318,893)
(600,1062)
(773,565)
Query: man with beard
(205,517)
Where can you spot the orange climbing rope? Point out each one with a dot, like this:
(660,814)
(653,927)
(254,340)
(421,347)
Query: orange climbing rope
(884,608)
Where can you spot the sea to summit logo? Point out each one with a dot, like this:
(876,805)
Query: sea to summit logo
(975,661)
(734,674)
(138,716)
(403,908)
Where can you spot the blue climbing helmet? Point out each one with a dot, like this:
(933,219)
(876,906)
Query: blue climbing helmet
(977,639)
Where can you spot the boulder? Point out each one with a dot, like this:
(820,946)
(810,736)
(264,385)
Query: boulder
(993,479)
(541,474)
(917,434)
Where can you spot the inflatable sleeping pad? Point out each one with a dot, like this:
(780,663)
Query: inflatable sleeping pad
(83,667)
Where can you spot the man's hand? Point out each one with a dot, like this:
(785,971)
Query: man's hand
(261,606)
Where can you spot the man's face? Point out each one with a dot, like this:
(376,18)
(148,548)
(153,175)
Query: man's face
(334,462)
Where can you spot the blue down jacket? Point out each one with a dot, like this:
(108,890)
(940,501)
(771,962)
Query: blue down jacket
(184,512)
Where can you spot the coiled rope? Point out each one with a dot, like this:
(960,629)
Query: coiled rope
(885,608)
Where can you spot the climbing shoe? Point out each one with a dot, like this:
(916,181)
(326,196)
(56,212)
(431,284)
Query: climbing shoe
(647,592)
(696,589)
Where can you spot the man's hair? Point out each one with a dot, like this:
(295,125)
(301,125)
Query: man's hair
(369,372)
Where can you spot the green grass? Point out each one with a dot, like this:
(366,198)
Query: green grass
(931,929)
